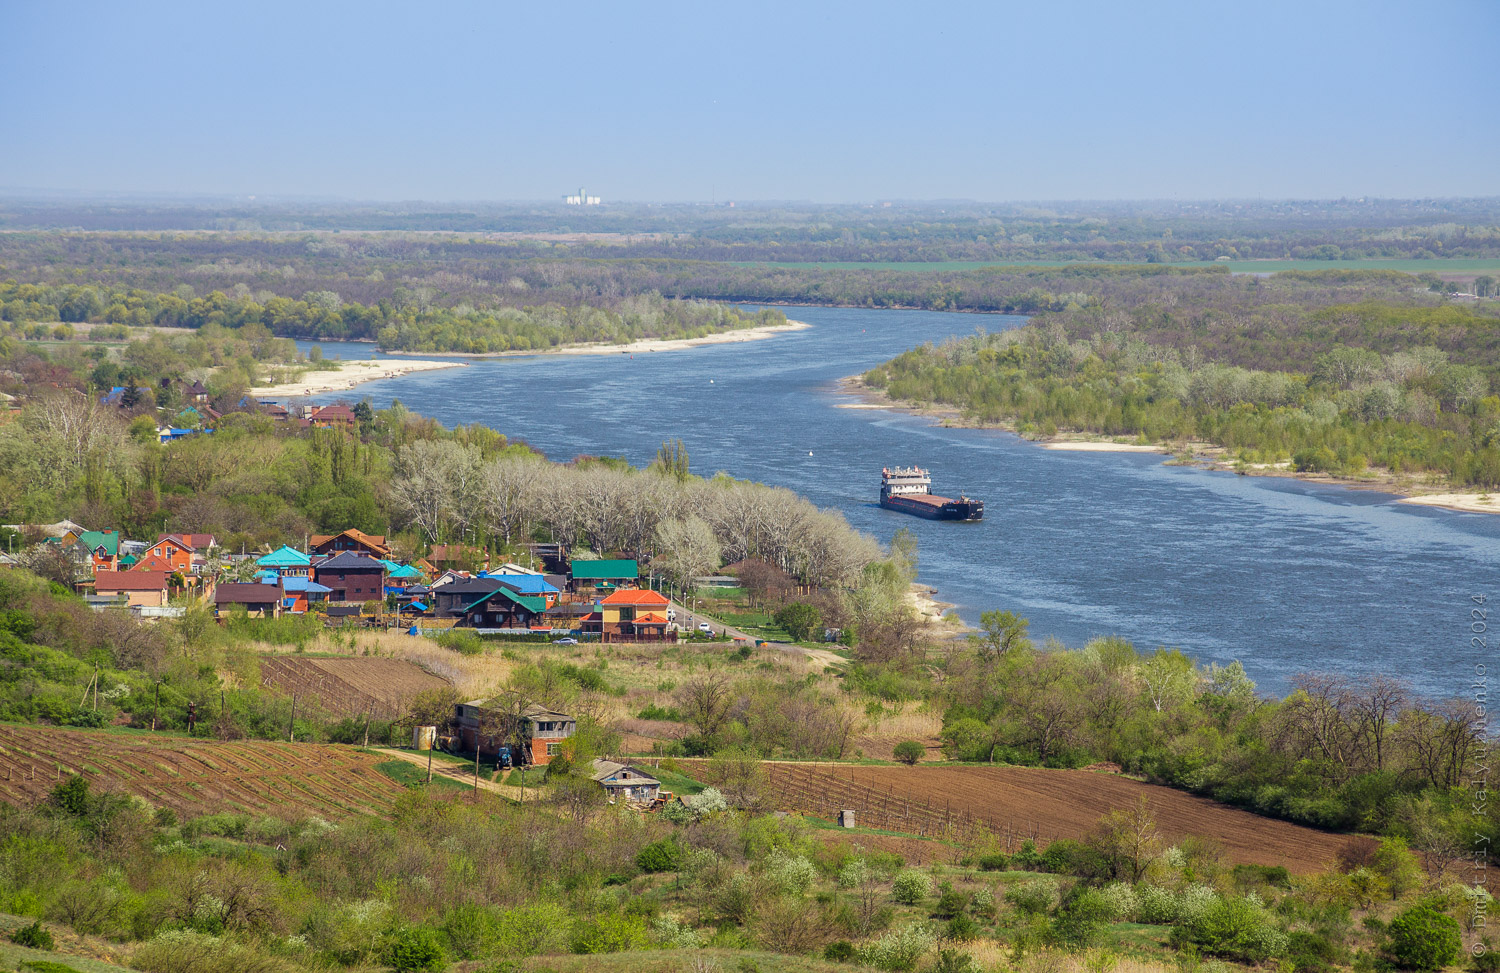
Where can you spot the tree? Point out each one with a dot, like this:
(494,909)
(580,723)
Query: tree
(705,701)
(800,620)
(1001,632)
(1128,841)
(672,459)
(1394,862)
(1422,938)
(1168,677)
(909,751)
(688,550)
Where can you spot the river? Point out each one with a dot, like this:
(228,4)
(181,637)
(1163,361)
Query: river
(1283,575)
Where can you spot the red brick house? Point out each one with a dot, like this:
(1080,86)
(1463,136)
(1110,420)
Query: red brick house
(542,731)
(351,577)
(170,553)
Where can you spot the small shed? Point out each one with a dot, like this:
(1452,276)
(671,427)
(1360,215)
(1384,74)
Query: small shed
(626,783)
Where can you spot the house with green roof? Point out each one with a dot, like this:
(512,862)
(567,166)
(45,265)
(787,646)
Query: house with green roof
(103,547)
(287,562)
(604,574)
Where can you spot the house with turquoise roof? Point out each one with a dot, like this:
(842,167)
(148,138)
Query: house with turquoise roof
(286,562)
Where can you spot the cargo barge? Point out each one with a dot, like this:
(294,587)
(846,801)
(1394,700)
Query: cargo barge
(909,490)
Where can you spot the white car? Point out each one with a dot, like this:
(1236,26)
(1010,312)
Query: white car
(705,628)
(671,614)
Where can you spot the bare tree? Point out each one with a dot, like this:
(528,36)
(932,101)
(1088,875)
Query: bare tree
(705,701)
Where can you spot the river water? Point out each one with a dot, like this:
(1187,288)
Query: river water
(1283,575)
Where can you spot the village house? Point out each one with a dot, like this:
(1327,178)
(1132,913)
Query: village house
(286,562)
(171,552)
(102,547)
(141,589)
(531,585)
(300,594)
(622,782)
(260,600)
(457,556)
(587,577)
(542,731)
(351,577)
(630,614)
(486,603)
(357,541)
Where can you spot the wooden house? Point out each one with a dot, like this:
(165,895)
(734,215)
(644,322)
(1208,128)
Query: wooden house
(353,540)
(622,782)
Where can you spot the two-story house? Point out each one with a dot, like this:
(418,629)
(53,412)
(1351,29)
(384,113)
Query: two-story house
(542,731)
(353,540)
(351,577)
(635,614)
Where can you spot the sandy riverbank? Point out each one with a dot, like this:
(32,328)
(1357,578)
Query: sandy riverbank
(348,375)
(645,346)
(919,597)
(1472,503)
(1082,446)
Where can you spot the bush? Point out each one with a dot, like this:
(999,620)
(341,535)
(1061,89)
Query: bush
(911,887)
(1309,952)
(1082,918)
(1032,898)
(1239,929)
(414,949)
(951,902)
(1120,900)
(182,951)
(1422,938)
(35,936)
(1156,906)
(608,934)
(841,951)
(899,949)
(790,874)
(659,856)
(997,862)
(962,929)
(909,751)
(800,620)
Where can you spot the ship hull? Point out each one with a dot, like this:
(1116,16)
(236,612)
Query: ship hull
(936,508)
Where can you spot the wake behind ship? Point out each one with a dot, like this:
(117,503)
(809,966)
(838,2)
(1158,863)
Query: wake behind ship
(909,490)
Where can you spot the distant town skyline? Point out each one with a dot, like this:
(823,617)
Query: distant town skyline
(682,102)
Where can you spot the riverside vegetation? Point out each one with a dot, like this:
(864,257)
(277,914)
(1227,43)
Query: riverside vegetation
(1333,372)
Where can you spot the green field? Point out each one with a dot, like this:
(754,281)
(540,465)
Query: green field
(1474,266)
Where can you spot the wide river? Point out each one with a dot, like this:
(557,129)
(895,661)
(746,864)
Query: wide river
(1285,576)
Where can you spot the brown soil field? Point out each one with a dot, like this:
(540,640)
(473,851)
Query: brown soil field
(195,777)
(349,686)
(1016,803)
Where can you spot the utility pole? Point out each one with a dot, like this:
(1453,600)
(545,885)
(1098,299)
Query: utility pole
(291,726)
(155,707)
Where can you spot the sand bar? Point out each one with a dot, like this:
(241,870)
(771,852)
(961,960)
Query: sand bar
(1082,447)
(348,375)
(1474,503)
(637,347)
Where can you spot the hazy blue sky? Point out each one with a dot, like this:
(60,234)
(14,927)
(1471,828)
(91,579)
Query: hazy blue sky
(858,101)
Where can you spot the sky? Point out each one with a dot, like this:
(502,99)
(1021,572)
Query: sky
(725,100)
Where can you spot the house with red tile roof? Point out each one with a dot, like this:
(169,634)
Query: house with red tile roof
(353,540)
(140,588)
(333,417)
(632,614)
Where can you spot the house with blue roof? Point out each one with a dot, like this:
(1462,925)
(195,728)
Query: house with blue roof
(300,593)
(533,585)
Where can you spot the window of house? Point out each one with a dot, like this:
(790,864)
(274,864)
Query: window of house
(553,748)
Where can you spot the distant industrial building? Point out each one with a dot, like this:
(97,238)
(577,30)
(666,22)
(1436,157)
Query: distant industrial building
(582,199)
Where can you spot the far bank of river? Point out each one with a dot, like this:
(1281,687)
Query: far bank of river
(1284,574)
(1203,455)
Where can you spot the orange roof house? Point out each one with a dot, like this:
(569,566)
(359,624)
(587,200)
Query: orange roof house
(169,553)
(332,416)
(350,540)
(631,613)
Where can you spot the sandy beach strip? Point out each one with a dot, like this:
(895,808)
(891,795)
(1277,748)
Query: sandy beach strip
(350,374)
(643,346)
(1472,503)
(1087,447)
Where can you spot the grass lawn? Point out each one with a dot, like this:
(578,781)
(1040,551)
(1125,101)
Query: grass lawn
(680,785)
(410,775)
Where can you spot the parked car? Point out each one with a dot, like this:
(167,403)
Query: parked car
(671,614)
(705,628)
(564,641)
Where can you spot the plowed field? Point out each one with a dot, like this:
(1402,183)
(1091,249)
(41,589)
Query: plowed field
(1022,802)
(350,686)
(194,777)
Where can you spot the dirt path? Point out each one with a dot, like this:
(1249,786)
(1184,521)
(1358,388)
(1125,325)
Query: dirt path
(463,773)
(689,620)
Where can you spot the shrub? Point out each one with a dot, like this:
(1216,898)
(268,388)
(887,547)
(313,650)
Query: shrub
(790,874)
(952,961)
(659,856)
(1275,876)
(608,934)
(1309,952)
(1082,918)
(1235,928)
(841,951)
(800,620)
(414,949)
(911,887)
(1120,901)
(962,929)
(899,949)
(1027,858)
(1487,960)
(951,902)
(470,928)
(997,862)
(909,751)
(35,936)
(983,904)
(1422,938)
(183,951)
(1032,898)
(1155,905)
